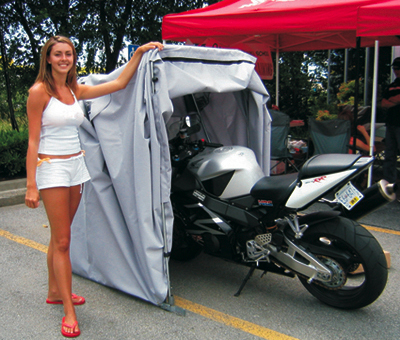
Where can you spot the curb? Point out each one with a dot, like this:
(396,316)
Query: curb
(12,192)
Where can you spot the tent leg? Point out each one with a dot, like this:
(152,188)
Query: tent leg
(169,303)
(201,120)
(172,308)
(373,112)
(356,95)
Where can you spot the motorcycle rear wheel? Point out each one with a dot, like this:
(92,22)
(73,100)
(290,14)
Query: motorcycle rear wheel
(358,290)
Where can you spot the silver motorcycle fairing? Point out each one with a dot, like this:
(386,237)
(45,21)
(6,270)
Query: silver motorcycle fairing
(213,163)
(310,189)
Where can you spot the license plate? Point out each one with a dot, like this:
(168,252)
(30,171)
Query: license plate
(349,196)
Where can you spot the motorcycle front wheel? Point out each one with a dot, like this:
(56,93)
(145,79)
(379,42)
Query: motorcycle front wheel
(184,247)
(347,291)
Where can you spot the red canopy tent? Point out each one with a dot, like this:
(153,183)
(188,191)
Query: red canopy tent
(380,22)
(285,25)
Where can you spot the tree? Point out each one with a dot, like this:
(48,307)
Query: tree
(5,63)
(294,84)
(135,21)
(100,28)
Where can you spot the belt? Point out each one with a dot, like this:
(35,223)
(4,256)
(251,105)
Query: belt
(47,159)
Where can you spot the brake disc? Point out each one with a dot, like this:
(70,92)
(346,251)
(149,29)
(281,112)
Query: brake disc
(339,276)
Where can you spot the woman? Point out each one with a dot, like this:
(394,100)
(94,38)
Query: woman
(54,162)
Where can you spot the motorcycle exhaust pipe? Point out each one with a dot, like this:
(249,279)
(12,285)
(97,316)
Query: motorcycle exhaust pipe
(375,197)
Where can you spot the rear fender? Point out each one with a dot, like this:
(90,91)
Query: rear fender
(315,219)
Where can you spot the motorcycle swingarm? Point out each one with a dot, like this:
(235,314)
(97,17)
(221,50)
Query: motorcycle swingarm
(271,267)
(316,218)
(302,262)
(326,251)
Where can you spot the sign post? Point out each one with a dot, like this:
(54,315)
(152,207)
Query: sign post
(131,50)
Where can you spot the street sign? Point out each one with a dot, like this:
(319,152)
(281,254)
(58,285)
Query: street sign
(131,50)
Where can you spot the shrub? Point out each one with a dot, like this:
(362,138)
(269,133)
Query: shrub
(13,146)
(325,115)
(347,92)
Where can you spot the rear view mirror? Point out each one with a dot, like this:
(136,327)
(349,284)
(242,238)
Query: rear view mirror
(192,123)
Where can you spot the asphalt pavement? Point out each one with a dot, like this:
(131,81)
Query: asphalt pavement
(272,307)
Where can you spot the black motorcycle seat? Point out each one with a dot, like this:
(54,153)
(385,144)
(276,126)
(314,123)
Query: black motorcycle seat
(327,164)
(274,188)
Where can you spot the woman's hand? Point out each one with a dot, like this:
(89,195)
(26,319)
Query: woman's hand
(150,46)
(32,198)
(364,132)
(361,128)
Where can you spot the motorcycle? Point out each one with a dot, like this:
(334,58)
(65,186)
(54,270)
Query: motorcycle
(225,206)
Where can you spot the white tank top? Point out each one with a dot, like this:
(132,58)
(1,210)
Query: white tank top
(59,132)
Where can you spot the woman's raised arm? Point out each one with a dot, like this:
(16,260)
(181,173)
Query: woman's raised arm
(90,92)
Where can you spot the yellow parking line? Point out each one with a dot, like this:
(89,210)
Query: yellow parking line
(381,230)
(24,241)
(209,313)
(231,321)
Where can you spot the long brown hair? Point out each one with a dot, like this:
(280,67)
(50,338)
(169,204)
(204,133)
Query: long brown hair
(45,76)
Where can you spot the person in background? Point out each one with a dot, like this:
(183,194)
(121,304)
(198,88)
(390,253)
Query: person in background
(391,102)
(362,138)
(54,161)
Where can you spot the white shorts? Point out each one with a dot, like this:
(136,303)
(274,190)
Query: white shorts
(60,172)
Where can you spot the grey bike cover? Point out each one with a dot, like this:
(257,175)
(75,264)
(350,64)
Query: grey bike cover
(118,232)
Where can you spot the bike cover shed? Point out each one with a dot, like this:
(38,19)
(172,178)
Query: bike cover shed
(122,231)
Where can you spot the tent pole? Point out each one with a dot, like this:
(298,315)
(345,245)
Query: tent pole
(346,64)
(393,76)
(277,78)
(373,109)
(201,120)
(169,303)
(329,79)
(356,95)
(366,76)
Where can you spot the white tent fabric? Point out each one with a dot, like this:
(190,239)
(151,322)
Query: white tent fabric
(118,232)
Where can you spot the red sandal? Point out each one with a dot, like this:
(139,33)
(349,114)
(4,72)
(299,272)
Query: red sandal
(81,301)
(66,334)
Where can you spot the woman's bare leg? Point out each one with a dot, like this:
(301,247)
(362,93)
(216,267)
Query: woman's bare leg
(53,293)
(61,205)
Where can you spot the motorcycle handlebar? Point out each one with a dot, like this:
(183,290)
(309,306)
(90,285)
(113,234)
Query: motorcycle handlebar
(182,149)
(212,145)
